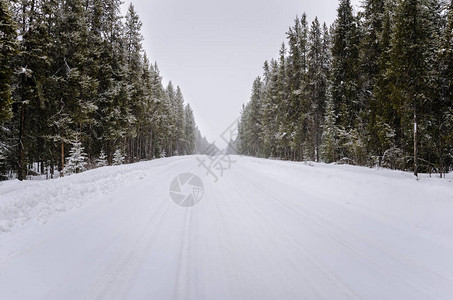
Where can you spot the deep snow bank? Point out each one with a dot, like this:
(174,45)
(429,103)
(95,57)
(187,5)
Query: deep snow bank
(37,200)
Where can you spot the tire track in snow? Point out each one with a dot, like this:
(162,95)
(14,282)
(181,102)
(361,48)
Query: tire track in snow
(238,269)
(127,262)
(226,249)
(127,253)
(183,275)
(254,235)
(316,265)
(331,233)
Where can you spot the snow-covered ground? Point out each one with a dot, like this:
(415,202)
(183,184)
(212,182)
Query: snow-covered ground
(266,230)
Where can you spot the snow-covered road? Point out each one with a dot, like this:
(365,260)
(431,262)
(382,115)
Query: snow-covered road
(265,230)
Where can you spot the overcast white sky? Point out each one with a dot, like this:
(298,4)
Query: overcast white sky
(214,49)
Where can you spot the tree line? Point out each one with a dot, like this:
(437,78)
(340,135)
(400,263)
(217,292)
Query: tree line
(375,88)
(74,74)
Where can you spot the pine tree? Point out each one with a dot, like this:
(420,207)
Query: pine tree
(118,158)
(179,124)
(71,89)
(134,103)
(297,106)
(383,113)
(30,100)
(169,112)
(318,76)
(284,126)
(76,161)
(110,128)
(345,75)
(102,160)
(329,148)
(9,44)
(370,50)
(445,112)
(158,110)
(270,111)
(9,50)
(412,63)
(145,126)
(189,131)
(255,119)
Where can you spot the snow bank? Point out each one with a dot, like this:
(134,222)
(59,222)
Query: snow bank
(425,205)
(37,200)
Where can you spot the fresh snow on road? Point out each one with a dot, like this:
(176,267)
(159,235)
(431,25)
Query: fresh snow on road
(266,230)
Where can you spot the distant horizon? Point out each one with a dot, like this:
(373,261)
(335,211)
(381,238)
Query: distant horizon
(214,51)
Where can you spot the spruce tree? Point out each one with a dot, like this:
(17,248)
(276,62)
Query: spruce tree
(255,118)
(134,103)
(329,148)
(284,126)
(345,63)
(9,49)
(118,158)
(384,116)
(412,59)
(112,94)
(370,50)
(297,106)
(189,130)
(30,97)
(318,76)
(102,160)
(76,162)
(179,124)
(271,109)
(444,111)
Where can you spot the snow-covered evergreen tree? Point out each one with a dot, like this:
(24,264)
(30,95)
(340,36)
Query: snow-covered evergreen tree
(345,62)
(8,34)
(189,130)
(318,83)
(118,158)
(76,162)
(102,160)
(329,146)
(412,69)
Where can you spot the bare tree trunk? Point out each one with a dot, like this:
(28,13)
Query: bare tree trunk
(131,150)
(151,146)
(88,148)
(62,157)
(146,148)
(20,167)
(415,140)
(109,153)
(125,147)
(317,138)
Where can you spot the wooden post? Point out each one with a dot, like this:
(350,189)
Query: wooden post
(62,158)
